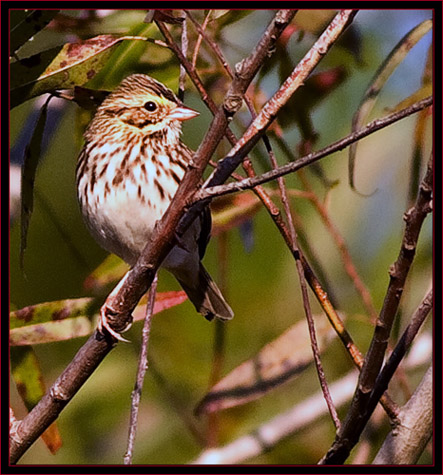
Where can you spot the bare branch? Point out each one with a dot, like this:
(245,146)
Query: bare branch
(141,371)
(375,125)
(406,442)
(280,98)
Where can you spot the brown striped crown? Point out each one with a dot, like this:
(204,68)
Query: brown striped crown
(140,104)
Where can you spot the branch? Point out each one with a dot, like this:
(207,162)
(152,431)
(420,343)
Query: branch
(141,371)
(406,442)
(399,351)
(374,126)
(281,97)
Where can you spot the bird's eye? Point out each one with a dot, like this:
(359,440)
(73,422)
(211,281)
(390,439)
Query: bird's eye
(150,106)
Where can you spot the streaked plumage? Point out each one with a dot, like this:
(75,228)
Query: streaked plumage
(127,173)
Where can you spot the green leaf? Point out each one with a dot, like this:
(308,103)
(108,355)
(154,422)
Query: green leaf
(32,155)
(52,321)
(51,311)
(72,318)
(59,330)
(73,65)
(26,23)
(27,375)
(28,378)
(383,73)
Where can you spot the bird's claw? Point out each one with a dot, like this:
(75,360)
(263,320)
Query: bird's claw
(103,323)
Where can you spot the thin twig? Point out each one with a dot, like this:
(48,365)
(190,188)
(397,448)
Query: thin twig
(184,49)
(141,371)
(200,36)
(314,345)
(343,248)
(211,191)
(296,252)
(214,46)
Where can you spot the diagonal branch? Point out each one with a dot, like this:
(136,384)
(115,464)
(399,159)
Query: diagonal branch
(281,97)
(248,183)
(407,441)
(388,370)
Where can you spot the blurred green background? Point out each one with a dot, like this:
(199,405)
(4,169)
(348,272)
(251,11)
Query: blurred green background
(261,282)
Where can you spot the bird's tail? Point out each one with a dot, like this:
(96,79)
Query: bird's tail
(207,297)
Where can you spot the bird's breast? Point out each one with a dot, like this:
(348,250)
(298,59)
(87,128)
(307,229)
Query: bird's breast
(127,192)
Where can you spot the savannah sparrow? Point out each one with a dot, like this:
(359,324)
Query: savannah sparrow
(127,173)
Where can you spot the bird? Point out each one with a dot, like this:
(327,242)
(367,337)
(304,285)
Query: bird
(128,171)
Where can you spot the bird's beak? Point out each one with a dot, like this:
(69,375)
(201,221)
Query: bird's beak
(182,113)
